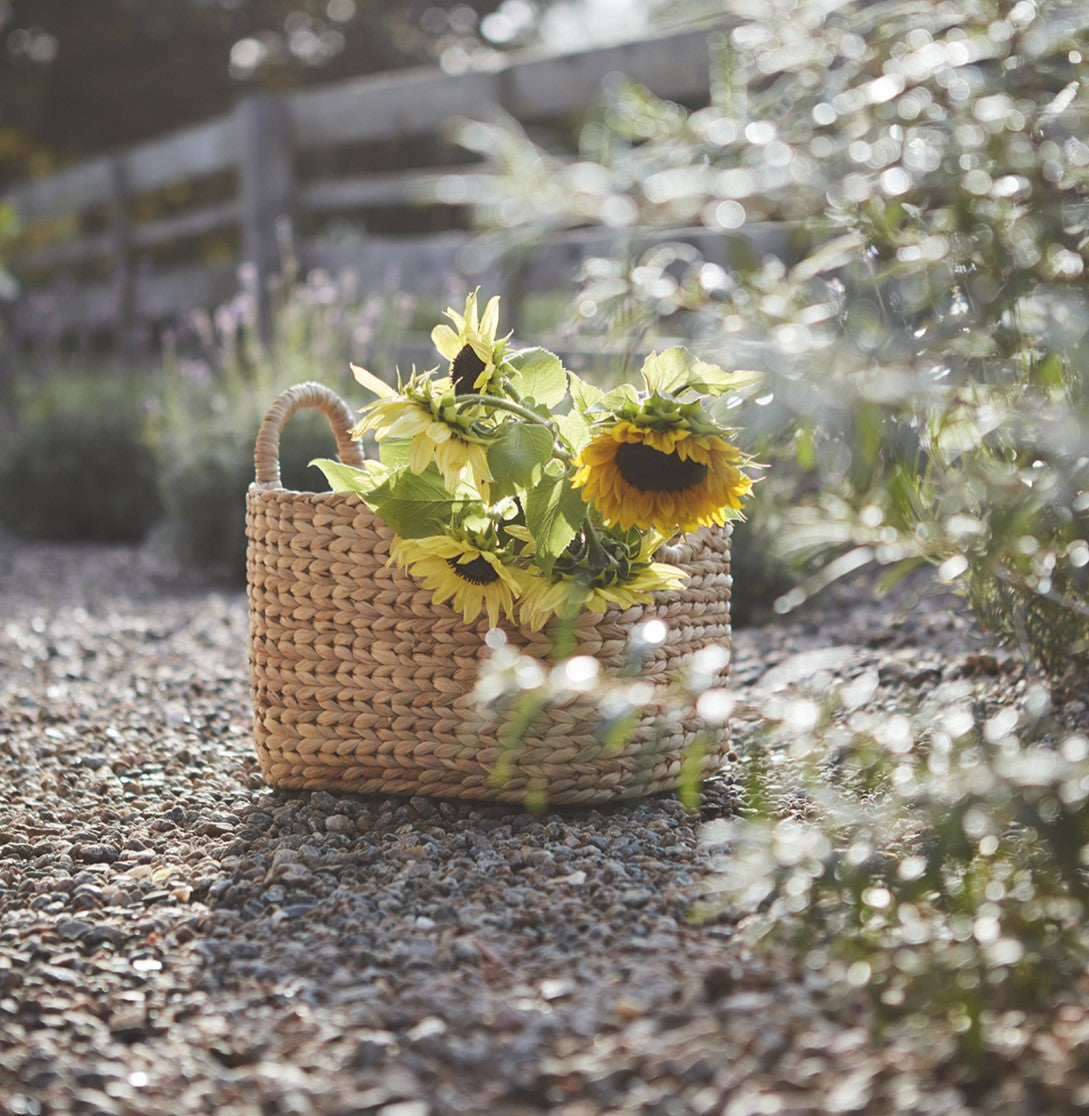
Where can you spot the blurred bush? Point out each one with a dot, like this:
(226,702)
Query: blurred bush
(219,378)
(938,875)
(902,193)
(900,196)
(73,460)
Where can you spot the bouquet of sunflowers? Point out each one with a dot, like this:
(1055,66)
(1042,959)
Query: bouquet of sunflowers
(515,488)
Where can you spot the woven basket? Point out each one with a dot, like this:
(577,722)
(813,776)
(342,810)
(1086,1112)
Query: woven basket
(362,683)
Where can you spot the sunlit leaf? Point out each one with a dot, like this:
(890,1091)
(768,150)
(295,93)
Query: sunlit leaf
(416,505)
(538,376)
(554,511)
(517,456)
(583,394)
(351,478)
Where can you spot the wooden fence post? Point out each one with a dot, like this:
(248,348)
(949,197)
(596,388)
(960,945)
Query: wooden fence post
(266,176)
(121,248)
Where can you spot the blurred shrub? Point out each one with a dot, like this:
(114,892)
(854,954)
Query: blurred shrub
(902,192)
(920,859)
(939,873)
(218,381)
(73,460)
(900,196)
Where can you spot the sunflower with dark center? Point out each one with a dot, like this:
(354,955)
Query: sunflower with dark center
(668,479)
(471,578)
(428,421)
(620,575)
(473,350)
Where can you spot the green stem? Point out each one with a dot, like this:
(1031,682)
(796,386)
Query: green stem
(560,447)
(504,405)
(593,545)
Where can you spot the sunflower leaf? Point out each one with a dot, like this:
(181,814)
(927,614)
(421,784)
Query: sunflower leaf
(350,478)
(574,427)
(668,371)
(554,511)
(538,375)
(583,394)
(516,457)
(615,399)
(677,370)
(414,506)
(394,452)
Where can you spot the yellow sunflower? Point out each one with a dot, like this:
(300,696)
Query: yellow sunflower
(473,351)
(472,579)
(667,479)
(429,439)
(543,598)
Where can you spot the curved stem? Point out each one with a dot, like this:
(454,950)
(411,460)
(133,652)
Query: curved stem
(559,444)
(464,401)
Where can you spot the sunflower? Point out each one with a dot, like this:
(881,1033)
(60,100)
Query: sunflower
(471,578)
(569,590)
(668,479)
(542,598)
(419,415)
(473,351)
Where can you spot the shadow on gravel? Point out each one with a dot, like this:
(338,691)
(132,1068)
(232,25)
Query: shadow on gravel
(422,947)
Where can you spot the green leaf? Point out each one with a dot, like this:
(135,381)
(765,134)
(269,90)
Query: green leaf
(625,393)
(677,370)
(517,456)
(831,256)
(538,375)
(414,506)
(394,452)
(574,428)
(805,449)
(668,371)
(893,575)
(350,478)
(583,394)
(554,511)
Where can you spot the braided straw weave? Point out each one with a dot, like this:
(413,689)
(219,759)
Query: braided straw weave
(362,683)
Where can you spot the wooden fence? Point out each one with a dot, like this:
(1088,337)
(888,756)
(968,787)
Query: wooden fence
(162,227)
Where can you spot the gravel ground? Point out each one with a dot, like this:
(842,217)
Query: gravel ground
(175,938)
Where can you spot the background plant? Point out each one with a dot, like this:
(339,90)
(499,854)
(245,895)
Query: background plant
(219,378)
(901,192)
(74,460)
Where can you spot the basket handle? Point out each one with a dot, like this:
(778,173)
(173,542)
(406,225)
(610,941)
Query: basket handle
(266,453)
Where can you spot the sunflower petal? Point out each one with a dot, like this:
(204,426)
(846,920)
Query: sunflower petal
(445,341)
(372,383)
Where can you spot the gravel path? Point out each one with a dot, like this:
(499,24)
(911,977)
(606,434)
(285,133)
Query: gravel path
(175,938)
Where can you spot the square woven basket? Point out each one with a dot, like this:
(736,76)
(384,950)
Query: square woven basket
(362,683)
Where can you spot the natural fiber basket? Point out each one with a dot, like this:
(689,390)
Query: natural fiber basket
(362,683)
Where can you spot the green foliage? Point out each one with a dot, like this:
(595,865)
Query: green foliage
(74,463)
(901,196)
(940,871)
(554,513)
(217,382)
(486,493)
(903,190)
(516,458)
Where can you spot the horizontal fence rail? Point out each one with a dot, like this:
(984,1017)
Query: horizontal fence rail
(355,176)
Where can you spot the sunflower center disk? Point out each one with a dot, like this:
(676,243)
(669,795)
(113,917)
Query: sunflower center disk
(477,571)
(467,366)
(651,470)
